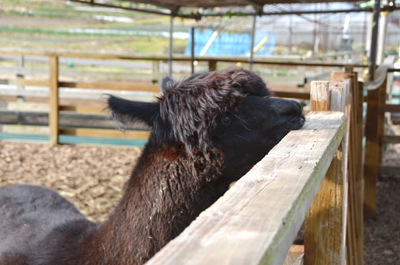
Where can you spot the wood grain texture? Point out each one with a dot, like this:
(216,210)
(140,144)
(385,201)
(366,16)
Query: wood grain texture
(29,82)
(295,255)
(256,221)
(320,96)
(143,135)
(212,65)
(111,86)
(53,100)
(355,231)
(381,119)
(325,224)
(390,108)
(271,60)
(371,151)
(389,170)
(81,109)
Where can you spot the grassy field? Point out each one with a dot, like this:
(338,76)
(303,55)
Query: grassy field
(45,25)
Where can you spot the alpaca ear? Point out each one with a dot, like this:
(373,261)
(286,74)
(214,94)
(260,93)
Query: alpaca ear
(166,83)
(123,110)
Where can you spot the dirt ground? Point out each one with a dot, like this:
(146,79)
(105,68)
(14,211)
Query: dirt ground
(382,233)
(92,178)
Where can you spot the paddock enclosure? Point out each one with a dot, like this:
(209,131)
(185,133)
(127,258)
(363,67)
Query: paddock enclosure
(310,171)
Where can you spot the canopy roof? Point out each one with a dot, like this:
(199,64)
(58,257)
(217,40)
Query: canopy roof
(193,8)
(224,3)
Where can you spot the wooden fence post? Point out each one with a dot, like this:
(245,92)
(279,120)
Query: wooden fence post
(373,126)
(212,65)
(355,238)
(53,98)
(325,221)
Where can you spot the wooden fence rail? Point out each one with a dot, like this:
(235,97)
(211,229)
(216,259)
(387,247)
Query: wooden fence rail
(256,221)
(344,93)
(308,176)
(54,83)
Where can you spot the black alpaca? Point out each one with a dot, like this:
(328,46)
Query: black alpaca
(207,131)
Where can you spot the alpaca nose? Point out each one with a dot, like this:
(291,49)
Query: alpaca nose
(291,108)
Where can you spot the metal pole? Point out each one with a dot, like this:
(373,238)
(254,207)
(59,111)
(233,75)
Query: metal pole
(20,75)
(382,35)
(192,51)
(289,47)
(374,40)
(253,33)
(170,48)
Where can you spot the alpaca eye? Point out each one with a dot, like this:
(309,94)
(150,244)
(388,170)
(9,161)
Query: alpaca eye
(226,121)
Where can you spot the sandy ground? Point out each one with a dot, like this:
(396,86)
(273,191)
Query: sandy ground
(92,178)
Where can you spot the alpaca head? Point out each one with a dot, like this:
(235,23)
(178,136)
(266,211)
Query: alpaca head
(229,113)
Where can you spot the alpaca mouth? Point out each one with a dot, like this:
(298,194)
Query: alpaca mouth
(296,123)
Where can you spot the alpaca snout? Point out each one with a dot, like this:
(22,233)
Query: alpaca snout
(290,108)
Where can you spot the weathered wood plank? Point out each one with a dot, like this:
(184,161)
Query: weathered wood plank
(356,212)
(381,120)
(324,233)
(28,82)
(320,96)
(295,255)
(270,60)
(341,88)
(371,153)
(297,95)
(389,170)
(389,108)
(81,109)
(212,65)
(325,225)
(111,86)
(235,230)
(53,100)
(391,139)
(144,135)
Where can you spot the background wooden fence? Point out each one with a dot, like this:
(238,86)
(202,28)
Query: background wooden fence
(57,105)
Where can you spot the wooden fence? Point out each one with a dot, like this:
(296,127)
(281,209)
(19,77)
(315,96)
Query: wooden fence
(311,175)
(54,83)
(257,220)
(377,105)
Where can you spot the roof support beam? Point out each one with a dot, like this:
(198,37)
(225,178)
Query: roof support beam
(253,33)
(374,41)
(155,3)
(170,48)
(125,8)
(253,3)
(332,11)
(174,10)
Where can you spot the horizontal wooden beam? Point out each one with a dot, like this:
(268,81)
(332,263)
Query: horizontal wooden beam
(143,135)
(27,82)
(391,139)
(111,86)
(389,170)
(82,109)
(257,219)
(297,95)
(390,108)
(270,60)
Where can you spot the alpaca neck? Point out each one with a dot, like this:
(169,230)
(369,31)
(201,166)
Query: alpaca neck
(164,194)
